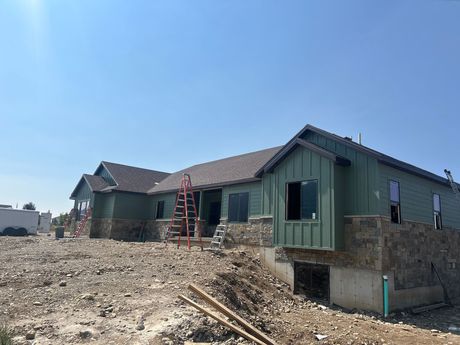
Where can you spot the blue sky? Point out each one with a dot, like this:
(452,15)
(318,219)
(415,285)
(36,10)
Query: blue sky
(137,81)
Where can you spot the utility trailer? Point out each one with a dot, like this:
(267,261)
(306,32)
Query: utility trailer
(44,223)
(14,222)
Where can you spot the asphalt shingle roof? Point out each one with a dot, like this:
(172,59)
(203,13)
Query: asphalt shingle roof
(229,170)
(96,183)
(133,179)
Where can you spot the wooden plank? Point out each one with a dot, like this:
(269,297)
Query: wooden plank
(222,321)
(429,308)
(231,315)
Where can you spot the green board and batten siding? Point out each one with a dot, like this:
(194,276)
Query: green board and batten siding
(362,194)
(105,174)
(103,205)
(122,206)
(169,200)
(321,233)
(416,198)
(83,193)
(367,188)
(131,206)
(254,207)
(255,195)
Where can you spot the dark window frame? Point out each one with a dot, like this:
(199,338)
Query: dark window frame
(395,205)
(437,214)
(241,215)
(300,202)
(160,206)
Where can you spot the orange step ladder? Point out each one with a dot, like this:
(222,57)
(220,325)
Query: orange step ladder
(82,224)
(185,219)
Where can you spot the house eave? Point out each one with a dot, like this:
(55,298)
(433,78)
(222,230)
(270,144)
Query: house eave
(209,186)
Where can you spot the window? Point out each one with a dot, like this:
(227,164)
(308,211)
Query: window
(82,208)
(302,200)
(395,205)
(238,204)
(437,211)
(160,209)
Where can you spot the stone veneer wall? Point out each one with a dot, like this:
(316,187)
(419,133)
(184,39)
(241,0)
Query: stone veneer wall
(257,232)
(410,248)
(363,247)
(404,252)
(124,229)
(129,230)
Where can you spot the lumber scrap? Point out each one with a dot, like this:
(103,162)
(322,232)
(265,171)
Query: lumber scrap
(231,315)
(222,321)
(430,307)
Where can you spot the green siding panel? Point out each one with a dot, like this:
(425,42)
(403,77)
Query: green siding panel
(83,193)
(321,233)
(268,191)
(255,197)
(170,203)
(361,178)
(131,206)
(104,173)
(103,205)
(416,196)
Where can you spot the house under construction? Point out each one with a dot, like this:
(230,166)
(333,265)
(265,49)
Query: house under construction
(327,215)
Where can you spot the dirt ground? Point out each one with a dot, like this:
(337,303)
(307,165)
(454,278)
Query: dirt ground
(75,291)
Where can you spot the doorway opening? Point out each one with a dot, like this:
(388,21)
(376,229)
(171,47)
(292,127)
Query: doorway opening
(210,211)
(311,280)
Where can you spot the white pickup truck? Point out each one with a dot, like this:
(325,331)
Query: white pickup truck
(14,222)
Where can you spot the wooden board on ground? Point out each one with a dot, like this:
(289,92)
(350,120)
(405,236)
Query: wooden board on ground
(222,321)
(231,315)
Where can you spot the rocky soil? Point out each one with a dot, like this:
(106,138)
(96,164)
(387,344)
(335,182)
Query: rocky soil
(75,291)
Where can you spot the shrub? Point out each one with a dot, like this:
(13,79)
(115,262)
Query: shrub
(6,335)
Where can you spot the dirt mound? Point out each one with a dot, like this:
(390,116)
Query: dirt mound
(108,292)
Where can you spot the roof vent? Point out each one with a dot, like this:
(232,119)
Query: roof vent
(348,138)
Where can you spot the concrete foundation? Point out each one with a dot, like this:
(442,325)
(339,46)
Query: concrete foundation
(356,288)
(374,247)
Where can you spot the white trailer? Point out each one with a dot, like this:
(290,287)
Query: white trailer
(44,223)
(18,222)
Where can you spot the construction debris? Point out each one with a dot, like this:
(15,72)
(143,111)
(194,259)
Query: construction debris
(320,336)
(154,274)
(231,315)
(222,321)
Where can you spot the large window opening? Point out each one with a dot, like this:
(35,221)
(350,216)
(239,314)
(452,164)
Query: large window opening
(302,200)
(311,280)
(238,207)
(160,209)
(437,211)
(395,205)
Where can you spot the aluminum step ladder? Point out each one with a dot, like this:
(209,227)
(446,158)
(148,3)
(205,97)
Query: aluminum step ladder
(219,237)
(453,184)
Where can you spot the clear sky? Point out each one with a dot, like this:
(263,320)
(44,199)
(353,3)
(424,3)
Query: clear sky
(142,82)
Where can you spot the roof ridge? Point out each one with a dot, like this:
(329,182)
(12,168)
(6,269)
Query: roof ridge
(135,167)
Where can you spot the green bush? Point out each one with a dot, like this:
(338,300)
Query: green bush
(6,336)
